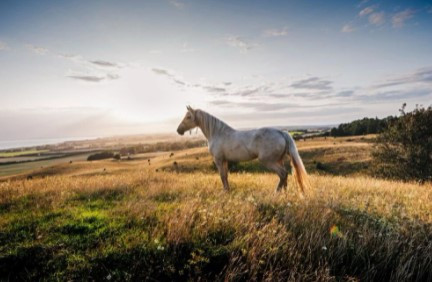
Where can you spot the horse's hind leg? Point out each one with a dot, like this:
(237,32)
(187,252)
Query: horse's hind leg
(222,166)
(285,182)
(280,171)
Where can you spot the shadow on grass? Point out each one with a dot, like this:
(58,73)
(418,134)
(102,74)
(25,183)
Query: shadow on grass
(27,202)
(355,243)
(30,263)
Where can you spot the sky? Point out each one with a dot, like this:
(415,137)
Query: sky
(102,68)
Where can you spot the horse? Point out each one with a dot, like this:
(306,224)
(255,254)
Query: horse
(269,145)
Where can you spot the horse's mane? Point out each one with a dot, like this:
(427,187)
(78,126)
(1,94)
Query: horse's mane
(210,124)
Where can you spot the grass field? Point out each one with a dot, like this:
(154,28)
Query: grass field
(21,153)
(130,220)
(32,166)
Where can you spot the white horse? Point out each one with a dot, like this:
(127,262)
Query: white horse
(269,145)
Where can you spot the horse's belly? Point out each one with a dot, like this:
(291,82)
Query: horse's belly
(239,154)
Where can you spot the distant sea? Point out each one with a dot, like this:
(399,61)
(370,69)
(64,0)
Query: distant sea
(11,144)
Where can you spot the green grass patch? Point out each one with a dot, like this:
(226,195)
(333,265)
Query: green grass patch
(166,197)
(21,153)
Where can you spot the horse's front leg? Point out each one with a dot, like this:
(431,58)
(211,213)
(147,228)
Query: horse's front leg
(222,166)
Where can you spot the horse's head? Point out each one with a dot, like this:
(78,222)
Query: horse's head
(188,121)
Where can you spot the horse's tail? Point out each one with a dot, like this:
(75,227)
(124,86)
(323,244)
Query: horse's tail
(299,170)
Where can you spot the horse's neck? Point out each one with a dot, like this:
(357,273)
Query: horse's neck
(211,126)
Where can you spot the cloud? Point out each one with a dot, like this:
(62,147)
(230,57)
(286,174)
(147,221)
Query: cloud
(291,117)
(214,89)
(101,63)
(112,76)
(347,28)
(68,56)
(314,83)
(162,72)
(256,106)
(423,75)
(89,78)
(345,93)
(313,96)
(179,82)
(221,102)
(176,3)
(227,89)
(398,19)
(266,107)
(169,75)
(264,114)
(37,49)
(276,95)
(367,11)
(377,18)
(362,2)
(394,95)
(94,78)
(3,46)
(276,32)
(240,43)
(251,91)
(92,66)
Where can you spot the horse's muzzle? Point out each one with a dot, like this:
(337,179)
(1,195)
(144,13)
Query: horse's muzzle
(180,131)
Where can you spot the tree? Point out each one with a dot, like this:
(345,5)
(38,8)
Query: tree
(361,126)
(404,149)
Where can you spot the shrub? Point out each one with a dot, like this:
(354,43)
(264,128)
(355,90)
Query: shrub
(101,156)
(320,166)
(404,149)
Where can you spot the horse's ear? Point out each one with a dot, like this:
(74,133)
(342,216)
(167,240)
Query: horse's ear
(189,108)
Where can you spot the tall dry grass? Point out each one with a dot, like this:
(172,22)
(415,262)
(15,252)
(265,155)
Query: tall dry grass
(133,223)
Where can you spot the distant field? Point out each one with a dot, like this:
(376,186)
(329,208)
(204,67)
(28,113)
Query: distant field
(19,168)
(296,132)
(134,220)
(48,166)
(21,153)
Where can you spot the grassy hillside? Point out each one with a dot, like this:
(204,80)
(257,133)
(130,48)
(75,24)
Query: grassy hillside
(131,220)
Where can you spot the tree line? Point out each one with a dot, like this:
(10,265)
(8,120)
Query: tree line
(362,127)
(161,147)
(147,148)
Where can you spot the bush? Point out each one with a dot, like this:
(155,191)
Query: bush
(404,149)
(101,156)
(320,166)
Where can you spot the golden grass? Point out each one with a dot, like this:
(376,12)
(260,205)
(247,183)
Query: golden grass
(146,224)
